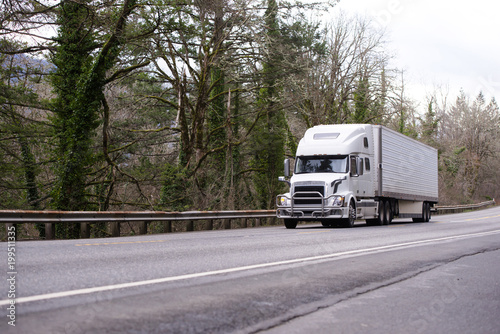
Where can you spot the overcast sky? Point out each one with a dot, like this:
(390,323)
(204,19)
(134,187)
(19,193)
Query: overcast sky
(449,43)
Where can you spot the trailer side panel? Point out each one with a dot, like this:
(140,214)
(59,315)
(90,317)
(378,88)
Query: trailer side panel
(409,168)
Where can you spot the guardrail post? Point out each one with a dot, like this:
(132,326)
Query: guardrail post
(85,230)
(257,222)
(50,231)
(143,228)
(114,229)
(244,223)
(167,227)
(190,226)
(227,224)
(209,225)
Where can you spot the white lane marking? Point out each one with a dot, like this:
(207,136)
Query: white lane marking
(232,270)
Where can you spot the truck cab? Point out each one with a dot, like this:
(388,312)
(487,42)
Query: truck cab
(333,176)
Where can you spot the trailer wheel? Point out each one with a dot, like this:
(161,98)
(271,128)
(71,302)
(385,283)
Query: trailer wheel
(429,211)
(290,223)
(381,215)
(427,214)
(396,208)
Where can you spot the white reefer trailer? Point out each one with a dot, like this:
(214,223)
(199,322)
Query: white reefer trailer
(359,171)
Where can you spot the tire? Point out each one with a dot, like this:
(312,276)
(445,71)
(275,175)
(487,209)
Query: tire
(388,213)
(290,223)
(427,209)
(396,209)
(381,214)
(429,215)
(393,210)
(349,222)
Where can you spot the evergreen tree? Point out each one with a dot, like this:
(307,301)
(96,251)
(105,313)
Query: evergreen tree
(269,136)
(429,125)
(361,102)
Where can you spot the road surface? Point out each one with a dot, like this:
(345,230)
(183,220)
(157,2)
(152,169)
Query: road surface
(442,276)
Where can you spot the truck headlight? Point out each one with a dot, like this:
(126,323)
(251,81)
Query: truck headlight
(338,201)
(283,201)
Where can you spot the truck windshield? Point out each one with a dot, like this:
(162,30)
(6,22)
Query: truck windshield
(321,164)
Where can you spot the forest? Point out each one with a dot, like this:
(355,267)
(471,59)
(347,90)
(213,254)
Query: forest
(179,105)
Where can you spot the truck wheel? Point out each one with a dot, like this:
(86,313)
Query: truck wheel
(381,213)
(425,214)
(427,206)
(349,221)
(290,223)
(388,213)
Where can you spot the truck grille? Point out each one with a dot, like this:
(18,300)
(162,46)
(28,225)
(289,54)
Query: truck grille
(308,191)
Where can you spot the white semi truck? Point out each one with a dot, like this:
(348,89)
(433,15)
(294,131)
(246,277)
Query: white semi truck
(347,172)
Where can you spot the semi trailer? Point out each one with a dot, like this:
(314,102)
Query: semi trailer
(346,172)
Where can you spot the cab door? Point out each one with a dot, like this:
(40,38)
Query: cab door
(354,166)
(361,176)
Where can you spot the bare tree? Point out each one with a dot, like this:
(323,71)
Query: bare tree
(469,135)
(355,61)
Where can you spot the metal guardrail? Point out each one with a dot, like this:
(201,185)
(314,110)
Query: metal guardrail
(22,216)
(114,218)
(443,209)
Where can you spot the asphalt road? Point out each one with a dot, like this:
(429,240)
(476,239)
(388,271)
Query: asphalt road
(436,277)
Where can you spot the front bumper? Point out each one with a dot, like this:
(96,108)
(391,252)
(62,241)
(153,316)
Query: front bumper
(309,211)
(312,213)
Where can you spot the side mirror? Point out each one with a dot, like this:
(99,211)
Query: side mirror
(287,167)
(287,173)
(357,166)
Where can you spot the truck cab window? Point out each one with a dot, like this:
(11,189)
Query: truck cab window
(354,169)
(321,164)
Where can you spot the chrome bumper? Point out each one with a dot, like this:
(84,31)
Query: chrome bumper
(310,211)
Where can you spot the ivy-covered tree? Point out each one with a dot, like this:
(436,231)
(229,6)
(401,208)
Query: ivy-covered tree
(23,131)
(75,118)
(82,64)
(16,96)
